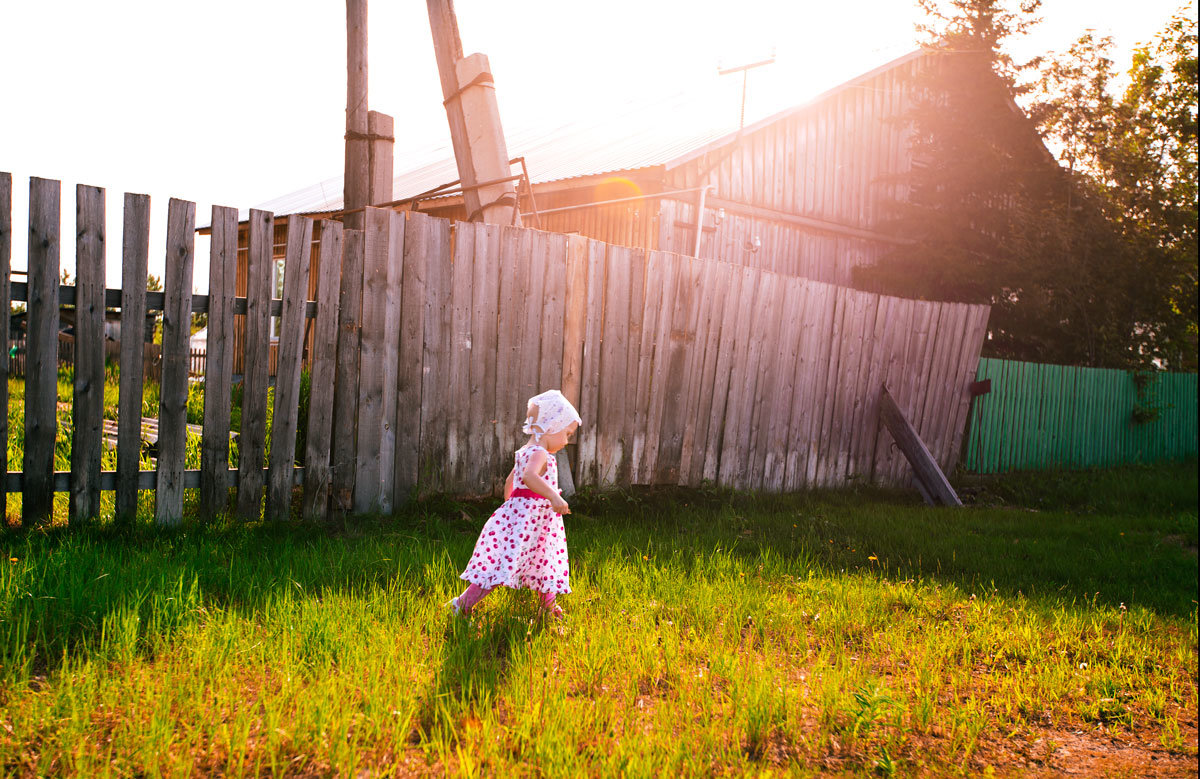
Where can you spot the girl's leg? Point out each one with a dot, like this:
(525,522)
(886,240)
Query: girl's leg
(470,596)
(551,608)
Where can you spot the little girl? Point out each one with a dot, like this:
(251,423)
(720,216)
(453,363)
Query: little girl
(523,544)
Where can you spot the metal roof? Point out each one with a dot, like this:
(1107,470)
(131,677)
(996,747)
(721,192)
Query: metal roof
(664,130)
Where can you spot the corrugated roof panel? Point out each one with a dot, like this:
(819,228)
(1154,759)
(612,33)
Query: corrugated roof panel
(664,130)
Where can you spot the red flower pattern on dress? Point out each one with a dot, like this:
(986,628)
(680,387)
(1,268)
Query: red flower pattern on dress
(524,542)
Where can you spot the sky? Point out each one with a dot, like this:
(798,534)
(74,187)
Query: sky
(235,102)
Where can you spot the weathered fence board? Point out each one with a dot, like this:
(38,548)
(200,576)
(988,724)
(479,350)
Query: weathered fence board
(214,441)
(589,382)
(5,298)
(435,368)
(252,438)
(368,480)
(285,417)
(173,390)
(485,297)
(614,339)
(41,386)
(315,504)
(417,243)
(345,396)
(135,254)
(88,390)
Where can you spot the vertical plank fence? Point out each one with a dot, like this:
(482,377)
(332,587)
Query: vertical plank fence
(1039,416)
(429,338)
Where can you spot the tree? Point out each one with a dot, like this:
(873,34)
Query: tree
(1136,155)
(990,216)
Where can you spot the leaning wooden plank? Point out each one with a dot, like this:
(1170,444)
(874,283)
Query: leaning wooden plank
(485,293)
(135,252)
(391,349)
(435,410)
(458,432)
(41,350)
(285,418)
(368,482)
(345,392)
(924,466)
(5,298)
(317,475)
(589,381)
(252,439)
(173,388)
(88,409)
(214,443)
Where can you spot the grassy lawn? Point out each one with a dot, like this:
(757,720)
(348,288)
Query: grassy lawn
(1051,626)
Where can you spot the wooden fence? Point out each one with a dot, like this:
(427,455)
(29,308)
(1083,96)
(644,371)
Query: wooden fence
(427,341)
(1039,416)
(151,358)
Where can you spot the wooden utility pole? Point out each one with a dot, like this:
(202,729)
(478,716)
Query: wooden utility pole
(475,129)
(356,181)
(368,176)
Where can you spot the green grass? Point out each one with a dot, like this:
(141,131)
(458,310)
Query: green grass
(709,632)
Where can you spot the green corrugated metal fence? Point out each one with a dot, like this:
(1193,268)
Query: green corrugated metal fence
(1057,416)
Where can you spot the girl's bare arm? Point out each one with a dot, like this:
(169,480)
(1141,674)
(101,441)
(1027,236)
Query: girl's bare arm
(533,479)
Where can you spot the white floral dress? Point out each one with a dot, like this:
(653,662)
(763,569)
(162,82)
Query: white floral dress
(524,543)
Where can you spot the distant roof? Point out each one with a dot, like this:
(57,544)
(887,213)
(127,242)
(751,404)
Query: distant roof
(667,130)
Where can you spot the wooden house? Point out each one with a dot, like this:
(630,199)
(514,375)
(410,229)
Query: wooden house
(801,193)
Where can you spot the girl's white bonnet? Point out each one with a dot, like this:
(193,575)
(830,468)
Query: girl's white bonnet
(553,413)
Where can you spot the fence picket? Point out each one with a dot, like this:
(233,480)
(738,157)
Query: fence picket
(575,316)
(368,481)
(614,339)
(317,474)
(135,253)
(435,411)
(590,381)
(485,292)
(5,298)
(214,441)
(41,344)
(173,389)
(397,225)
(88,395)
(345,393)
(252,436)
(285,418)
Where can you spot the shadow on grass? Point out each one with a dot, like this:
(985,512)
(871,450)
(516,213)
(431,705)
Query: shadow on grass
(1122,536)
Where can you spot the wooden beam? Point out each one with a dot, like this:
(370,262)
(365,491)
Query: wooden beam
(931,481)
(770,214)
(447,48)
